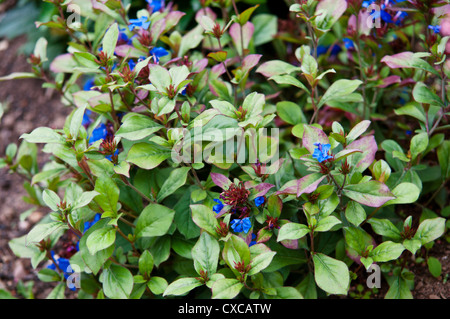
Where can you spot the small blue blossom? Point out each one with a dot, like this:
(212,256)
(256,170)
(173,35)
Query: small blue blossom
(86,118)
(63,264)
(89,224)
(142,23)
(435,28)
(321,152)
(123,37)
(259,201)
(348,43)
(156,5)
(100,132)
(253,242)
(322,49)
(241,225)
(157,53)
(88,84)
(217,208)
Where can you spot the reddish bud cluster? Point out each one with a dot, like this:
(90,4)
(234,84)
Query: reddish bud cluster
(272,222)
(241,267)
(145,38)
(236,197)
(108,145)
(222,230)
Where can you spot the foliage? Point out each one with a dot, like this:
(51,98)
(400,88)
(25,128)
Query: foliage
(337,133)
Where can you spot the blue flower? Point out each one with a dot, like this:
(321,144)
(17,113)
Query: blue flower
(259,201)
(142,23)
(156,5)
(321,152)
(217,208)
(100,132)
(158,52)
(241,225)
(253,242)
(348,43)
(63,264)
(88,84)
(322,49)
(435,28)
(89,224)
(123,37)
(86,119)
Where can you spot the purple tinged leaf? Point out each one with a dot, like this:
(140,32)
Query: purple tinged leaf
(309,183)
(261,188)
(368,146)
(250,61)
(390,80)
(398,60)
(312,135)
(276,67)
(372,193)
(247,32)
(345,153)
(173,18)
(221,180)
(288,188)
(291,244)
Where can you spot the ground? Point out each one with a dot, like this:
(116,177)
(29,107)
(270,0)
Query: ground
(30,106)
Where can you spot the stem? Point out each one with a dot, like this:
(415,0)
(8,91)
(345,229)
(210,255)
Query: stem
(136,190)
(435,193)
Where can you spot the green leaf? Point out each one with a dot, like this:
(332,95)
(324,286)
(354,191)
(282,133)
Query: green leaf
(226,288)
(84,199)
(155,220)
(356,239)
(355,213)
(117,282)
(434,266)
(292,231)
(42,231)
(423,94)
(110,40)
(146,263)
(205,218)
(18,75)
(386,251)
(430,229)
(148,155)
(137,126)
(157,285)
(357,130)
(101,239)
(409,60)
(236,250)
(405,193)
(94,262)
(412,245)
(398,290)
(384,227)
(108,193)
(330,274)
(181,286)
(290,112)
(419,143)
(276,67)
(339,89)
(266,27)
(325,224)
(443,153)
(176,179)
(206,254)
(57,292)
(372,193)
(43,135)
(51,199)
(261,262)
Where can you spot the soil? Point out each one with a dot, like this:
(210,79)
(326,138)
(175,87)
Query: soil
(28,106)
(31,106)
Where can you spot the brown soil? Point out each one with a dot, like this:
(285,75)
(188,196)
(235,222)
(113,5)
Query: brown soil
(28,106)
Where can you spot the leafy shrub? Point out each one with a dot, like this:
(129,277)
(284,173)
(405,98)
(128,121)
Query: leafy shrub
(227,152)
